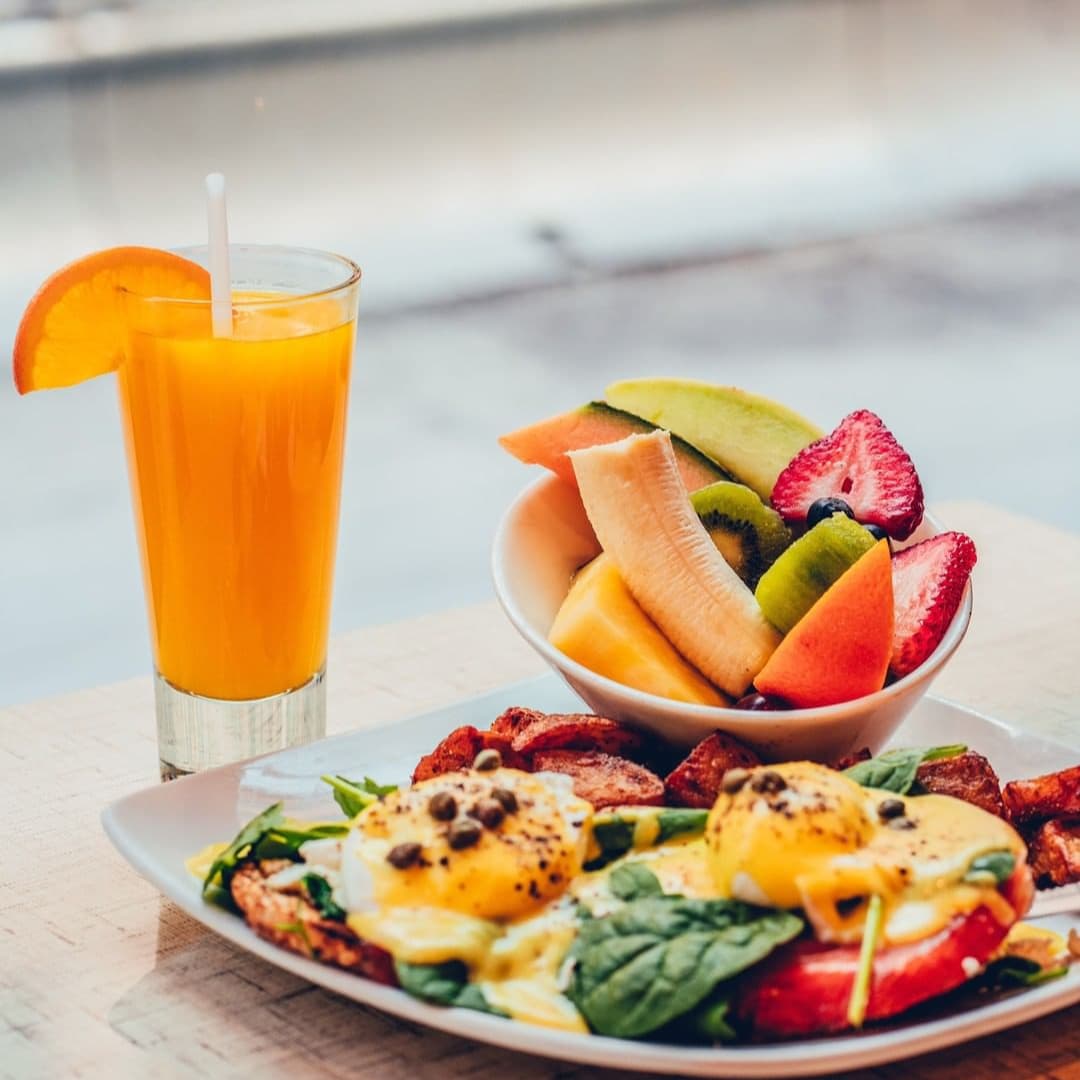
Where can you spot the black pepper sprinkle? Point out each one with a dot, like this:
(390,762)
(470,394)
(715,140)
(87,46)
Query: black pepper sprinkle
(402,856)
(734,780)
(442,806)
(463,833)
(487,760)
(506,799)
(901,823)
(890,808)
(767,782)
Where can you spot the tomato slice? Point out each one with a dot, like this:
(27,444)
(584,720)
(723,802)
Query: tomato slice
(806,988)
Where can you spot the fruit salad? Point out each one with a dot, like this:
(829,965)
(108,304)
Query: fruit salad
(748,558)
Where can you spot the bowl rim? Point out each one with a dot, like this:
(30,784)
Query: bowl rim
(634,698)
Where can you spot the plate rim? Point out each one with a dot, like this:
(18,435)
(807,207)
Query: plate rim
(803,1057)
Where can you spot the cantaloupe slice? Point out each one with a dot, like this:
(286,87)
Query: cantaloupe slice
(839,650)
(602,627)
(596,424)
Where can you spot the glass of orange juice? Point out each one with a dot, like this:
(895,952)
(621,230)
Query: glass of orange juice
(235,448)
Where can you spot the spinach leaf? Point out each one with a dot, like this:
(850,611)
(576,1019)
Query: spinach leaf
(631,881)
(710,1021)
(614,835)
(355,795)
(320,831)
(657,958)
(265,836)
(321,896)
(224,866)
(680,823)
(1009,972)
(382,790)
(284,842)
(895,769)
(443,984)
(993,868)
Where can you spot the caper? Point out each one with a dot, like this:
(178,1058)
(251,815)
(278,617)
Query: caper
(506,799)
(403,856)
(487,760)
(890,808)
(442,806)
(463,833)
(767,782)
(489,813)
(734,781)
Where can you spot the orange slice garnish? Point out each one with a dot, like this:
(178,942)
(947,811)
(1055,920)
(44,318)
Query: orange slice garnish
(73,328)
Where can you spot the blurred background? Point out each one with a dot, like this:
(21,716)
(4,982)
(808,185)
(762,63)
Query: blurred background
(837,203)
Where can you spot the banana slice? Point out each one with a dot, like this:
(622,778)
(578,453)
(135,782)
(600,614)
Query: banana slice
(641,514)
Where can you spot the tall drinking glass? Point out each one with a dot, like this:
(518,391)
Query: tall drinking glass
(235,448)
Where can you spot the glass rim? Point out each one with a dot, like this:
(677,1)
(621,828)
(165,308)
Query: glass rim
(353,278)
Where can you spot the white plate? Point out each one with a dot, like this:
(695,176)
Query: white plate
(156,830)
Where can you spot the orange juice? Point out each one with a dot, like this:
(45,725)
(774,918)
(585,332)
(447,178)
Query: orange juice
(235,450)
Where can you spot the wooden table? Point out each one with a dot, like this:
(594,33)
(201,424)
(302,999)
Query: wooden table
(99,976)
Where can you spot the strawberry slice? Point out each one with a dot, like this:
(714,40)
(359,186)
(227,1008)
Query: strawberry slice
(863,464)
(928,582)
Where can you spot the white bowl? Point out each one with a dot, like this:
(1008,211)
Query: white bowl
(544,537)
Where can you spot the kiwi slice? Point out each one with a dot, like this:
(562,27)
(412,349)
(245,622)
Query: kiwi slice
(749,534)
(800,576)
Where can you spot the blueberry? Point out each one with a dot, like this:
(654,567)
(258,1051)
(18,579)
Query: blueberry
(760,703)
(876,531)
(820,509)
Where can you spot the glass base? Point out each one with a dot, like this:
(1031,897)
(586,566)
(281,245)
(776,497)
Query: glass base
(196,733)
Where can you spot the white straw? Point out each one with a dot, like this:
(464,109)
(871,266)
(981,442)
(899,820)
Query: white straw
(218,230)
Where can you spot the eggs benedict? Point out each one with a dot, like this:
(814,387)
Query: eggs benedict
(801,835)
(906,896)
